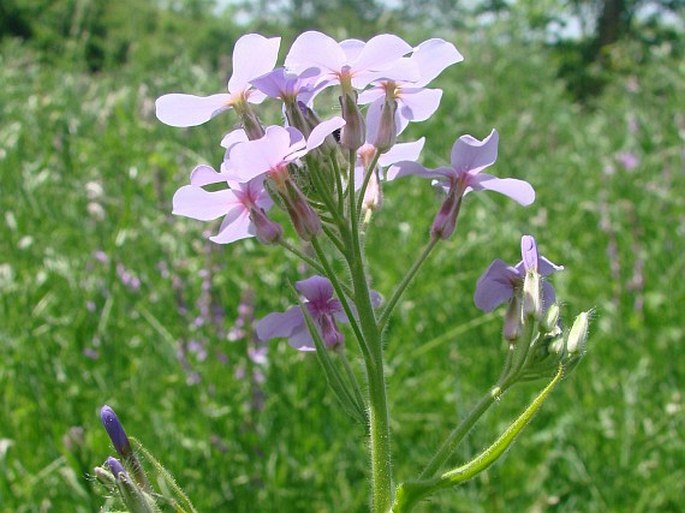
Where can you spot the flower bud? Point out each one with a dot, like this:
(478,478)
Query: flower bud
(387,129)
(266,230)
(576,342)
(353,134)
(115,431)
(251,124)
(446,219)
(304,218)
(115,466)
(532,295)
(550,319)
(512,320)
(295,114)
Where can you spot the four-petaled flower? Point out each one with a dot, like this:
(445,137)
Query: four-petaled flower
(501,281)
(352,63)
(253,56)
(243,205)
(414,101)
(469,157)
(323,308)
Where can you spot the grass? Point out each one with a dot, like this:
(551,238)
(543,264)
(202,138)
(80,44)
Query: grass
(86,168)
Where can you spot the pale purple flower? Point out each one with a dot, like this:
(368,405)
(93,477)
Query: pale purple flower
(253,56)
(289,87)
(414,101)
(351,62)
(272,153)
(116,467)
(501,281)
(469,157)
(628,160)
(243,205)
(324,309)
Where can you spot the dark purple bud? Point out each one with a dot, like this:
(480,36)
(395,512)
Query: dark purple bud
(116,467)
(115,431)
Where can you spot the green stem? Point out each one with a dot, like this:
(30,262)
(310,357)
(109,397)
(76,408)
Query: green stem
(410,493)
(298,253)
(397,294)
(379,418)
(458,434)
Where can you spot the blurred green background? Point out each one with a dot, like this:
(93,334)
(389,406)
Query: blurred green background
(107,298)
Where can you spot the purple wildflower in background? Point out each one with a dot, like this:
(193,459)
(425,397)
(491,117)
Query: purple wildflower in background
(115,431)
(253,56)
(324,309)
(500,281)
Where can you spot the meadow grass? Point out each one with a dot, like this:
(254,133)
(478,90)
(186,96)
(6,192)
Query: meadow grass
(87,180)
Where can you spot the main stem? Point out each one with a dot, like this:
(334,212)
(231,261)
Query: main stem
(379,420)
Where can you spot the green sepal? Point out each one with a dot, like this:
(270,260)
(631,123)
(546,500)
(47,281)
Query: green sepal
(180,501)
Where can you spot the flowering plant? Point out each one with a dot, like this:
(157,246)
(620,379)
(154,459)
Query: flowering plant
(329,176)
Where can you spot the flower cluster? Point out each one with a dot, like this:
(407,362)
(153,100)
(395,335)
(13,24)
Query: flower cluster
(327,176)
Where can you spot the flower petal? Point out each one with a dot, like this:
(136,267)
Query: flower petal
(315,288)
(418,104)
(235,226)
(253,56)
(470,154)
(313,48)
(280,324)
(407,168)
(205,175)
(433,56)
(183,110)
(194,202)
(495,286)
(380,52)
(402,151)
(518,190)
(323,130)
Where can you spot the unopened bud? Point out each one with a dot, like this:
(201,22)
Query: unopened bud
(295,114)
(387,129)
(266,230)
(115,431)
(353,134)
(576,342)
(115,466)
(446,219)
(550,319)
(512,320)
(251,124)
(304,218)
(532,295)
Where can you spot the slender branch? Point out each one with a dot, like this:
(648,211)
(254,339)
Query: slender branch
(397,294)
